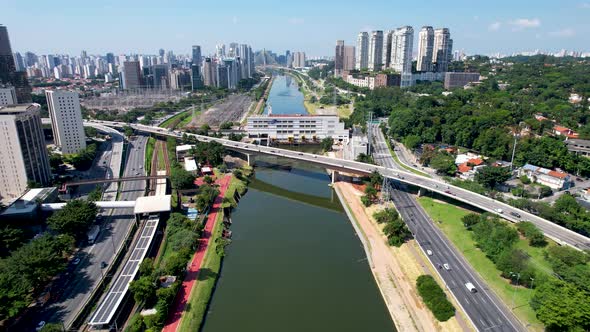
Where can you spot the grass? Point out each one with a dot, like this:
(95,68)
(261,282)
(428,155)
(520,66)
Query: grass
(344,111)
(161,161)
(448,219)
(203,288)
(149,151)
(408,168)
(176,118)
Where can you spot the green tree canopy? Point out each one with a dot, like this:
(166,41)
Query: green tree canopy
(74,219)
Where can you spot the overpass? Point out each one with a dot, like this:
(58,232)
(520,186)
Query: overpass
(556,232)
(128,178)
(101,205)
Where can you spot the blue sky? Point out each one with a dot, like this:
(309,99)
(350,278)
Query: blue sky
(129,26)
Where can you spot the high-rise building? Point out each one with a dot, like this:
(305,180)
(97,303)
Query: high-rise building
(24,155)
(30,59)
(110,58)
(339,58)
(349,58)
(180,79)
(222,76)
(209,72)
(220,50)
(387,48)
(66,120)
(425,48)
(443,49)
(298,59)
(132,75)
(159,74)
(19,62)
(244,52)
(8,72)
(7,95)
(196,77)
(196,56)
(362,51)
(401,57)
(161,52)
(376,50)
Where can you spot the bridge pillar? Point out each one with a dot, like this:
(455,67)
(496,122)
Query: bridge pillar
(251,159)
(420,193)
(334,176)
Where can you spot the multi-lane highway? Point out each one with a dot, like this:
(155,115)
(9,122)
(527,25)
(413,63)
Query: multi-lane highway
(85,276)
(552,230)
(484,309)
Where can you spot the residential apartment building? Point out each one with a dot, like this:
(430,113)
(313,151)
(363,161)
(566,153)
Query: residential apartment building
(349,57)
(296,127)
(443,49)
(376,50)
(298,59)
(7,95)
(339,58)
(402,44)
(362,51)
(372,81)
(425,49)
(387,48)
(554,179)
(66,120)
(23,151)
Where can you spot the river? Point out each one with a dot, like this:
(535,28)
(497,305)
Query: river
(294,265)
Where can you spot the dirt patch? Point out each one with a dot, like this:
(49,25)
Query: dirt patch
(231,109)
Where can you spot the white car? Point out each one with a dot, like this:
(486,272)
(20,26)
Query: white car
(429,252)
(40,325)
(446,266)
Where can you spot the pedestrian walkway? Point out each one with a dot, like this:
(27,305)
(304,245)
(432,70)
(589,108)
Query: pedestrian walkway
(175,315)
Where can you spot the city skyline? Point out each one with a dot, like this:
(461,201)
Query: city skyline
(478,29)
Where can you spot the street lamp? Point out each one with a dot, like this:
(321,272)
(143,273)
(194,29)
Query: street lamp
(517,275)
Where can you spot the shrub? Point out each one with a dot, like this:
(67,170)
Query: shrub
(434,298)
(531,232)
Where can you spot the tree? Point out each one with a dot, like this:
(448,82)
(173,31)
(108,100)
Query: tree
(208,180)
(10,239)
(443,163)
(143,289)
(90,132)
(327,143)
(181,178)
(561,306)
(128,131)
(376,179)
(95,194)
(386,215)
(490,176)
(52,327)
(434,298)
(371,192)
(226,125)
(74,219)
(470,219)
(205,127)
(397,232)
(365,158)
(412,141)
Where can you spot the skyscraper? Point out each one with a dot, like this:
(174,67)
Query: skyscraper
(159,75)
(425,47)
(443,49)
(132,75)
(339,58)
(66,120)
(362,51)
(24,155)
(245,59)
(220,50)
(298,59)
(8,73)
(110,58)
(196,77)
(209,72)
(196,56)
(387,48)
(349,57)
(403,42)
(376,50)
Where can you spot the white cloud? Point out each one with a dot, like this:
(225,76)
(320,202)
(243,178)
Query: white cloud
(563,33)
(296,20)
(525,23)
(495,26)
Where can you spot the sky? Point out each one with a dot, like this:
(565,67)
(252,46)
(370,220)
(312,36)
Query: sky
(312,26)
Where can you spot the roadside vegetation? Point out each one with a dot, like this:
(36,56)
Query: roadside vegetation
(530,273)
(395,228)
(435,298)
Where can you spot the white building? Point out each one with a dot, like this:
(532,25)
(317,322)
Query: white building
(7,96)
(553,179)
(296,127)
(66,120)
(425,49)
(402,46)
(362,51)
(376,50)
(24,156)
(443,49)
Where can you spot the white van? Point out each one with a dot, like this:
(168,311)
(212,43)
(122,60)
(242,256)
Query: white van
(470,287)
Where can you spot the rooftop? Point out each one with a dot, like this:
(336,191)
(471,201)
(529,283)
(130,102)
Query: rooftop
(19,108)
(153,204)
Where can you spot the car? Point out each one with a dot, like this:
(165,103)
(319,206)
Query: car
(76,261)
(500,211)
(140,166)
(517,215)
(137,173)
(446,266)
(103,265)
(40,325)
(448,192)
(429,252)
(470,287)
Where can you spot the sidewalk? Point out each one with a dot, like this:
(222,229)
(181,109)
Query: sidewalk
(175,315)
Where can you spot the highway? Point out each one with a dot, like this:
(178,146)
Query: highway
(551,230)
(86,275)
(484,309)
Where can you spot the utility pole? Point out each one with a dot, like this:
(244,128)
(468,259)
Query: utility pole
(513,152)
(370,131)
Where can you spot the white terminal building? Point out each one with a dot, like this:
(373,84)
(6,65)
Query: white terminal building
(296,127)
(66,121)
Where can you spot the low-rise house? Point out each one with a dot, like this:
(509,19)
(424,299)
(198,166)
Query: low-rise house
(554,179)
(564,131)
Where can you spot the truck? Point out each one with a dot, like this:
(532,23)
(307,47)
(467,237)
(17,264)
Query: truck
(93,233)
(470,287)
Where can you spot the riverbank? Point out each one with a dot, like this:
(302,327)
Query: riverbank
(395,269)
